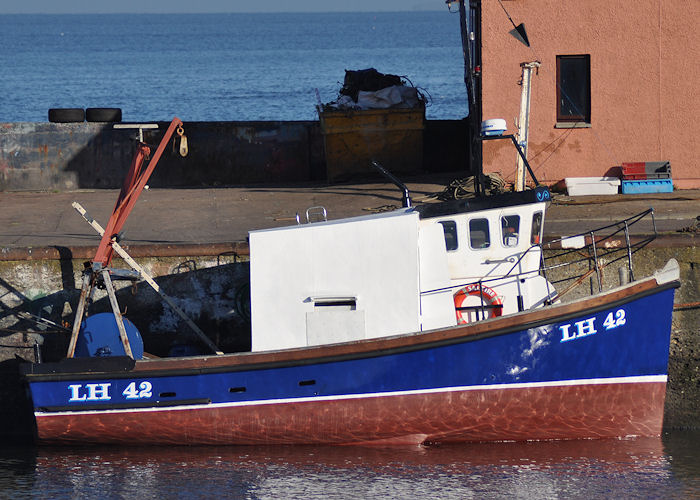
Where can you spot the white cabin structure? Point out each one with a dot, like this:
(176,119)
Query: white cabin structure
(396,272)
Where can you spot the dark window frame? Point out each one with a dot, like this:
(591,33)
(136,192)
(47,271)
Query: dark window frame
(486,243)
(449,229)
(510,229)
(536,228)
(566,80)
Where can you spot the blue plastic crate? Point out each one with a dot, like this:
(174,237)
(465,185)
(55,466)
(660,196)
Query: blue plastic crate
(647,186)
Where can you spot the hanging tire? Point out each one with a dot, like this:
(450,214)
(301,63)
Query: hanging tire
(66,115)
(103,114)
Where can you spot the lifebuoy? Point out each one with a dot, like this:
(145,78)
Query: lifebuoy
(488,295)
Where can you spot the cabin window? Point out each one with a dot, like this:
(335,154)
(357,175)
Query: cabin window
(536,236)
(510,226)
(449,227)
(574,89)
(479,236)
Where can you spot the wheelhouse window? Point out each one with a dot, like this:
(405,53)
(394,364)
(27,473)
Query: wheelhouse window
(449,227)
(479,236)
(574,89)
(536,234)
(510,227)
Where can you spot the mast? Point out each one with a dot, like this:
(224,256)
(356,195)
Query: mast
(524,120)
(470,30)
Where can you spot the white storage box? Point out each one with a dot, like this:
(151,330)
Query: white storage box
(580,186)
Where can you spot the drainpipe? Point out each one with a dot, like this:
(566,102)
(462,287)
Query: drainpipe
(524,120)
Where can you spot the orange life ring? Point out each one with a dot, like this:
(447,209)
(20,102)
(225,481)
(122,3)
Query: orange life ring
(488,295)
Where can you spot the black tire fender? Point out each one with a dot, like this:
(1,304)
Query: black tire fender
(66,115)
(103,114)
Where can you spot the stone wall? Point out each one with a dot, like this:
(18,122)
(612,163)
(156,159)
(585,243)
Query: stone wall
(69,156)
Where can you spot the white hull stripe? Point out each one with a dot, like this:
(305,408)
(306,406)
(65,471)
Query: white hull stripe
(644,379)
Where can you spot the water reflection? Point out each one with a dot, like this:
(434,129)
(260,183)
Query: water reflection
(642,467)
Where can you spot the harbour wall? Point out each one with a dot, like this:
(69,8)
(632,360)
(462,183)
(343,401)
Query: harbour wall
(39,290)
(88,155)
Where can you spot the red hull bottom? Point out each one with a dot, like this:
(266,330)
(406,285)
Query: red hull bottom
(518,414)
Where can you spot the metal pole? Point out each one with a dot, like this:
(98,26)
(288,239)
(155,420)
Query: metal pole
(467,54)
(406,197)
(595,263)
(629,251)
(470,31)
(469,84)
(481,303)
(524,120)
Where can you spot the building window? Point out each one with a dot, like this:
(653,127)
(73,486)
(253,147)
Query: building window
(574,88)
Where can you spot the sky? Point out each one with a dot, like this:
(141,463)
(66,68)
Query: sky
(209,6)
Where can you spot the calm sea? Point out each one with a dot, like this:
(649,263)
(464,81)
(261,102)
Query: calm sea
(667,467)
(220,66)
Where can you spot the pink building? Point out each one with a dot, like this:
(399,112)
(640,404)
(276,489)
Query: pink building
(619,81)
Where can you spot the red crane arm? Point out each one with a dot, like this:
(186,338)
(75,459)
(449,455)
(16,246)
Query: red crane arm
(133,185)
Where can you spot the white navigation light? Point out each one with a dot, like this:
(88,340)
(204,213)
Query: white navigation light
(495,126)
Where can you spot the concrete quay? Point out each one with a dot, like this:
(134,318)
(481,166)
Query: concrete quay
(166,218)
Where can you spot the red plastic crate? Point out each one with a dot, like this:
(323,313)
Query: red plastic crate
(634,171)
(642,170)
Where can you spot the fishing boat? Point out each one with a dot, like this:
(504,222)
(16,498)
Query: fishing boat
(426,324)
(434,323)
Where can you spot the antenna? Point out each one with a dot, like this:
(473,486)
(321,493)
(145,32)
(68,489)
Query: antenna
(406,197)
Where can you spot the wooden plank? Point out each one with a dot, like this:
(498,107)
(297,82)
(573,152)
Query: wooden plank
(88,283)
(117,313)
(134,265)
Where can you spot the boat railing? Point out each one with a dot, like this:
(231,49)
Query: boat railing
(595,249)
(571,260)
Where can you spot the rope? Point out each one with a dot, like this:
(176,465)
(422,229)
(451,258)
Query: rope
(460,189)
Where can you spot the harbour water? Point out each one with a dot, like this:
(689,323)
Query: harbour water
(221,67)
(666,467)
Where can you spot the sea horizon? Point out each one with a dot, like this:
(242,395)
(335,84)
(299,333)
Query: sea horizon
(221,67)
